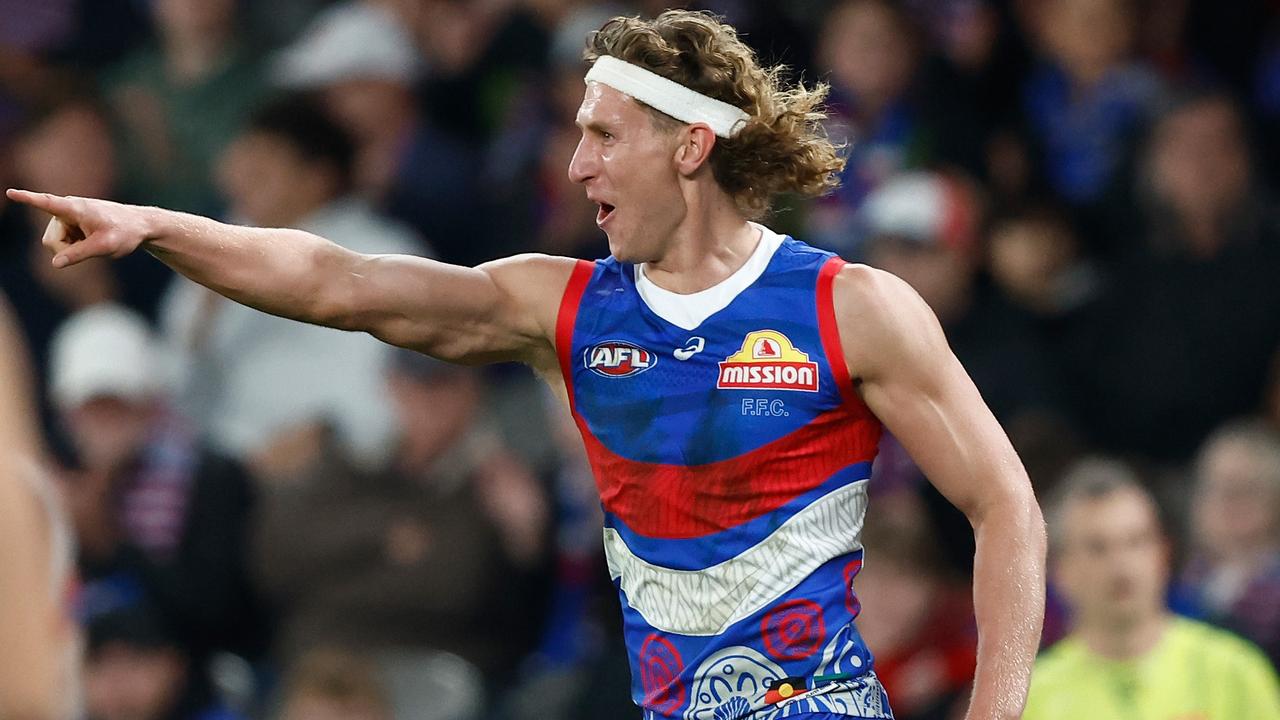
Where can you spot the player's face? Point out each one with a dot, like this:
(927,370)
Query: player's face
(627,165)
(1113,563)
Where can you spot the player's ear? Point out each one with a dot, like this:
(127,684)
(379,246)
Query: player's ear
(696,143)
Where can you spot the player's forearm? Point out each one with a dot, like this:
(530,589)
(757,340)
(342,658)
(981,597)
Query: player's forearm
(284,272)
(1008,588)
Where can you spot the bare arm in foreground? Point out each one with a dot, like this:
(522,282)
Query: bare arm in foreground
(911,380)
(34,628)
(503,310)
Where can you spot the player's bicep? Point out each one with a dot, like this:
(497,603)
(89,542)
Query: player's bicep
(911,380)
(498,311)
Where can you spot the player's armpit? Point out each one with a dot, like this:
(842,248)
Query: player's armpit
(504,310)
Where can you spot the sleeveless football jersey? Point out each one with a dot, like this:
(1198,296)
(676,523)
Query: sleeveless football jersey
(732,455)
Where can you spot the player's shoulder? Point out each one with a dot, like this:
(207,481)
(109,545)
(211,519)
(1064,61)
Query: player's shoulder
(535,273)
(535,263)
(534,282)
(870,287)
(876,308)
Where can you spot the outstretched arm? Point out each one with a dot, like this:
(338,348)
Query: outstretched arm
(911,380)
(504,310)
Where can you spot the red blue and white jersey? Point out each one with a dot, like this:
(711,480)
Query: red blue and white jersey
(732,455)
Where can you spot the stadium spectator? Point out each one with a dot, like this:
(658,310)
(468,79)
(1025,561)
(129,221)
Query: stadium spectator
(579,669)
(366,67)
(869,48)
(565,223)
(33,32)
(157,516)
(1196,307)
(976,57)
(426,558)
(1036,263)
(245,376)
(137,669)
(68,147)
(330,684)
(1198,187)
(923,227)
(1235,568)
(54,45)
(1087,100)
(1034,258)
(26,36)
(479,54)
(181,100)
(1127,656)
(487,72)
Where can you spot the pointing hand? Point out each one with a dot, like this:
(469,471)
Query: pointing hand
(83,228)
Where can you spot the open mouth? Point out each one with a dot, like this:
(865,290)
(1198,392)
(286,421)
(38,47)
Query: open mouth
(603,213)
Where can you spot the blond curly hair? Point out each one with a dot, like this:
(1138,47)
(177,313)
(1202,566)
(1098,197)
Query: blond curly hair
(783,148)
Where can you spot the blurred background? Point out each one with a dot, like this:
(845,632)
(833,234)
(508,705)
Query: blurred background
(282,521)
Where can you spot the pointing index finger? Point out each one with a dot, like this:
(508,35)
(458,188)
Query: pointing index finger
(53,204)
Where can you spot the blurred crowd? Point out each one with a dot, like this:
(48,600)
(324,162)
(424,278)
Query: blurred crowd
(282,521)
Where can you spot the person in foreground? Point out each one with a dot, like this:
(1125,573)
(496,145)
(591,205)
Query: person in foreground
(1128,656)
(729,383)
(39,654)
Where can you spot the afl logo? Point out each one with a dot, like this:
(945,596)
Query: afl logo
(615,359)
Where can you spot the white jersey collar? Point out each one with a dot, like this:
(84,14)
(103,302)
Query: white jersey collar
(690,311)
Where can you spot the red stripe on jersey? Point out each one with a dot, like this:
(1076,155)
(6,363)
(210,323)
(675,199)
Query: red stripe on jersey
(567,317)
(659,500)
(829,331)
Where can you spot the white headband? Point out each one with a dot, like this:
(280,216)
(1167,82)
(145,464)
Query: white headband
(667,96)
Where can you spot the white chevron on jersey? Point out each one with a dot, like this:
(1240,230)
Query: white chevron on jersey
(706,602)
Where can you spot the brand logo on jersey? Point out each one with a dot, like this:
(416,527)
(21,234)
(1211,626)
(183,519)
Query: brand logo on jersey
(695,346)
(617,359)
(768,361)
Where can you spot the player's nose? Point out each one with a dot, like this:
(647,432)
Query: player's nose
(584,165)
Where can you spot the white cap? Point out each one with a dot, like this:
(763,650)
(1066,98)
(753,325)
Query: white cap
(352,41)
(323,376)
(924,207)
(103,351)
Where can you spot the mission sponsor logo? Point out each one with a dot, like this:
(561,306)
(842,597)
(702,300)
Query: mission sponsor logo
(768,361)
(616,359)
